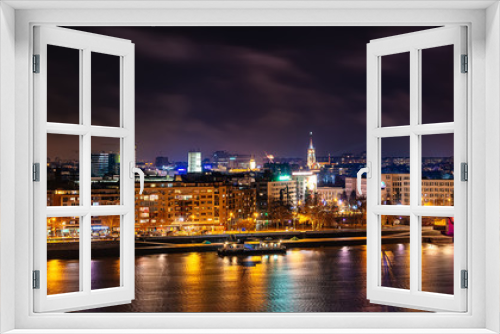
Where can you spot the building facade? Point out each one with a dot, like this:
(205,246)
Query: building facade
(194,162)
(329,195)
(284,192)
(307,184)
(395,190)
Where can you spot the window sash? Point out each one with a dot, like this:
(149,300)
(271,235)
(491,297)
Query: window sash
(413,43)
(86,43)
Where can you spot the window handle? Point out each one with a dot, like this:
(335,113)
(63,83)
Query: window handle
(366,170)
(133,171)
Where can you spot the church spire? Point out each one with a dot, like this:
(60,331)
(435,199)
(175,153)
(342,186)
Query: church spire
(311,154)
(311,147)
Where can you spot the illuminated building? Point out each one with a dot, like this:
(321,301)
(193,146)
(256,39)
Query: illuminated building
(261,199)
(311,155)
(194,162)
(307,183)
(169,207)
(329,195)
(100,164)
(395,189)
(105,164)
(224,160)
(282,191)
(253,165)
(242,202)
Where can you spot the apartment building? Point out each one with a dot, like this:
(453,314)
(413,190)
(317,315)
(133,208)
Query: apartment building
(285,191)
(329,194)
(395,189)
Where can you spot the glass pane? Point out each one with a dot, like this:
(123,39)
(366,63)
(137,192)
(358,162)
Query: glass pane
(105,171)
(105,265)
(437,84)
(395,178)
(105,89)
(63,255)
(63,85)
(437,170)
(395,89)
(395,254)
(63,153)
(437,254)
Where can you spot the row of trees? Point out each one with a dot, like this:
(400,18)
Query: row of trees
(319,214)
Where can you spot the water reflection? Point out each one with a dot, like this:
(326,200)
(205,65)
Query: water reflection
(63,276)
(327,279)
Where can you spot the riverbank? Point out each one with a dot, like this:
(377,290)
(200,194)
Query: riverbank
(210,243)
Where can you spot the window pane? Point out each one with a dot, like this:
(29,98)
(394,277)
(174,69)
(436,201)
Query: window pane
(395,257)
(63,175)
(105,171)
(63,85)
(105,252)
(105,103)
(395,86)
(63,242)
(395,178)
(437,170)
(437,254)
(437,84)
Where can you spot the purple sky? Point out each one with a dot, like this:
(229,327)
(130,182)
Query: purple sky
(252,89)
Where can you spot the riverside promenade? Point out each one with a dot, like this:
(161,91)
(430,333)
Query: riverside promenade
(210,243)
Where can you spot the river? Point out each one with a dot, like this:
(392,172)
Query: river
(326,279)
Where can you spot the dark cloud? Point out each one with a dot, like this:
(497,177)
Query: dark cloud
(251,89)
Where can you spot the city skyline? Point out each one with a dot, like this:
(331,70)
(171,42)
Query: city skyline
(247,89)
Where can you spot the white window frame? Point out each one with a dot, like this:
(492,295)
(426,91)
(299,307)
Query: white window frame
(123,50)
(482,19)
(413,44)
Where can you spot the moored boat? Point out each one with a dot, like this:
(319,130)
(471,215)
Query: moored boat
(253,248)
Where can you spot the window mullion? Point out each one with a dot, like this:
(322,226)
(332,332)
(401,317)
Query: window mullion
(85,174)
(415,161)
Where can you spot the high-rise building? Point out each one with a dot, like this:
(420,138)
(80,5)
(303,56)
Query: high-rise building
(311,154)
(99,164)
(194,162)
(105,164)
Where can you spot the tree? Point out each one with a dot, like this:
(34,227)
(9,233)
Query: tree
(280,212)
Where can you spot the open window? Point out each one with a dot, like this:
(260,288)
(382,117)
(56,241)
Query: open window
(416,128)
(82,132)
(77,213)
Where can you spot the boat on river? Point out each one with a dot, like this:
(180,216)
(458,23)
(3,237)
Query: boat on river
(252,248)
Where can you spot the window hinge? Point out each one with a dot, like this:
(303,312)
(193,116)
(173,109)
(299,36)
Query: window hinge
(465,64)
(36,172)
(36,63)
(464,171)
(465,279)
(36,279)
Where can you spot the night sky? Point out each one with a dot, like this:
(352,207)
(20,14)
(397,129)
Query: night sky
(253,90)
